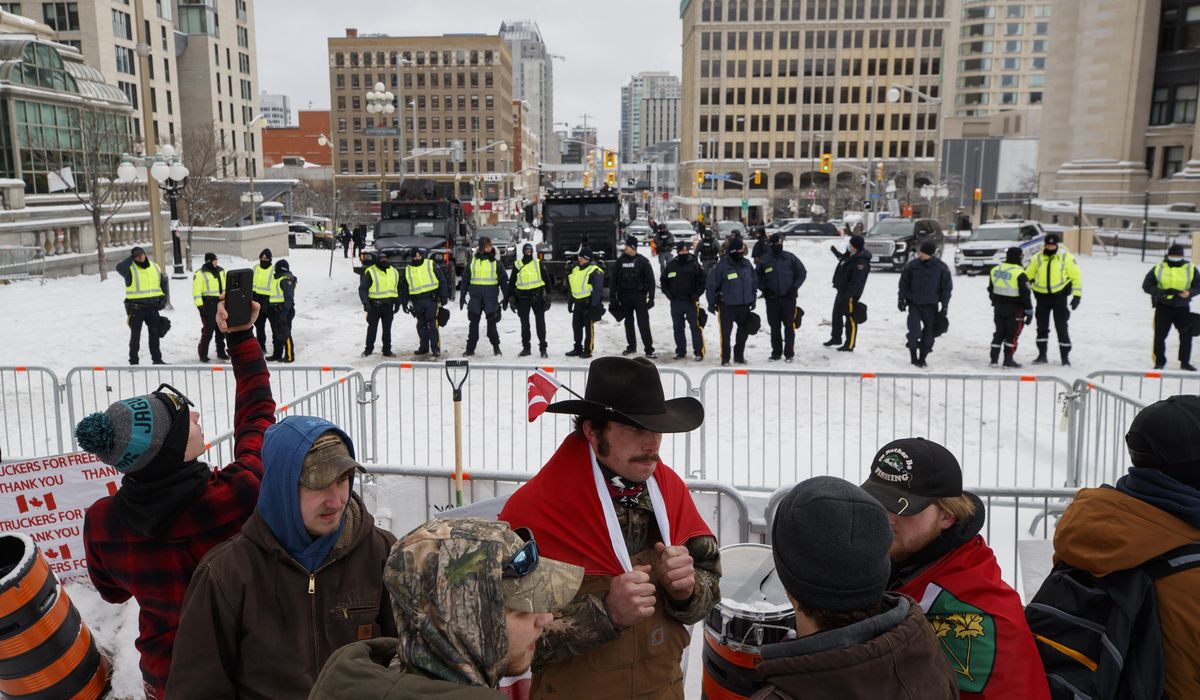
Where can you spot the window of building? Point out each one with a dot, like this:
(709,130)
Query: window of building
(1037,81)
(1173,159)
(1041,28)
(1039,46)
(1041,11)
(11,7)
(1038,63)
(1010,81)
(1014,29)
(1185,104)
(1012,47)
(125,60)
(122,25)
(1015,11)
(61,16)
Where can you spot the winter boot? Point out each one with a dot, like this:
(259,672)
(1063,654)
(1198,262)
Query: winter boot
(1010,362)
(629,350)
(1187,367)
(496,350)
(545,354)
(1041,356)
(525,352)
(574,352)
(912,356)
(831,342)
(1065,353)
(921,358)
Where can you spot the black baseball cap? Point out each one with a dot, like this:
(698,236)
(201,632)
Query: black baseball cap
(911,474)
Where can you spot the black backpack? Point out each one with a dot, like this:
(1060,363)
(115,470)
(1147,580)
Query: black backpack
(1099,637)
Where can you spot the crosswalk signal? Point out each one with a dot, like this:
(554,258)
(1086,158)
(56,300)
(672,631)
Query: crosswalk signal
(758,177)
(826,162)
(699,177)
(610,160)
(611,179)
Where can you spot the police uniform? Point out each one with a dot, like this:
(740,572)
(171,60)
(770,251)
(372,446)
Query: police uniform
(527,288)
(1164,283)
(1008,287)
(585,290)
(664,241)
(379,292)
(780,275)
(283,311)
(732,294)
(634,284)
(208,284)
(262,294)
(483,279)
(424,290)
(1054,278)
(144,298)
(682,282)
(708,251)
(850,281)
(924,284)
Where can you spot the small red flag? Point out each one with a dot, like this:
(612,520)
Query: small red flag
(542,388)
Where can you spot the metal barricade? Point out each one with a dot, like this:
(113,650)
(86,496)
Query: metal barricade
(18,262)
(769,428)
(412,423)
(338,401)
(212,388)
(1103,418)
(31,413)
(1148,387)
(404,497)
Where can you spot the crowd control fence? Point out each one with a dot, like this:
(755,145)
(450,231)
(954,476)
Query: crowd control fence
(1103,417)
(31,413)
(1149,387)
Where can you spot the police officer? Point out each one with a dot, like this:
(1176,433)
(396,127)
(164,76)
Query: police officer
(1008,286)
(850,280)
(585,292)
(924,283)
(359,238)
(486,280)
(528,290)
(344,238)
(664,241)
(208,284)
(760,244)
(422,293)
(780,275)
(283,308)
(1171,285)
(634,285)
(732,295)
(379,292)
(1054,276)
(263,273)
(144,298)
(708,251)
(682,282)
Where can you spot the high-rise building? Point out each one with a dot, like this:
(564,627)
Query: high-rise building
(447,89)
(1121,100)
(770,86)
(578,144)
(659,123)
(641,87)
(999,56)
(527,151)
(533,74)
(276,108)
(194,87)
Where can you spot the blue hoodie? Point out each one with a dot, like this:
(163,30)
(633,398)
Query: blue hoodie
(284,446)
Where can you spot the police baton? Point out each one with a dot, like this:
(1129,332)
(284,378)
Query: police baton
(453,367)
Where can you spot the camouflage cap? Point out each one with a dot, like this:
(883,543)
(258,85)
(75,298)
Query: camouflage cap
(326,461)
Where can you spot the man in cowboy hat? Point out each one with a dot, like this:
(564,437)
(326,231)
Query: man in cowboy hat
(606,502)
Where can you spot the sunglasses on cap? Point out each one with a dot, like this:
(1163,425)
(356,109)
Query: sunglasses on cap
(525,560)
(174,395)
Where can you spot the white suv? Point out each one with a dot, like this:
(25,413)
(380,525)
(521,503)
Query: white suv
(990,243)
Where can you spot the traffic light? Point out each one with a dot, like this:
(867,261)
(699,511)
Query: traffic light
(758,177)
(879,172)
(610,160)
(826,162)
(457,148)
(611,179)
(587,180)
(699,177)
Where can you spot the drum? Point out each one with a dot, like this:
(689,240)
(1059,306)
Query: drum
(754,611)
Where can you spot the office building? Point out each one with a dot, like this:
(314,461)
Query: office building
(276,108)
(1120,109)
(533,74)
(999,61)
(641,87)
(303,140)
(659,123)
(770,86)
(450,88)
(577,144)
(527,151)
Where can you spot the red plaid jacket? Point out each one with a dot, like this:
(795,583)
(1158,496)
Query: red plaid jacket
(156,572)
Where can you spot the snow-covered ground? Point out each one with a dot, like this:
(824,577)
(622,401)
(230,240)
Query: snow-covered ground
(79,322)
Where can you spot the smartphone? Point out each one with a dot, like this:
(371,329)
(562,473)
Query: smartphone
(238,293)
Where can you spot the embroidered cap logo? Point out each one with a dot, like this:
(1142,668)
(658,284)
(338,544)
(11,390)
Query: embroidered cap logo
(894,466)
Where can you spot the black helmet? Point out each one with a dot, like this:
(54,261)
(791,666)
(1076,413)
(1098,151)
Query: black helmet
(418,250)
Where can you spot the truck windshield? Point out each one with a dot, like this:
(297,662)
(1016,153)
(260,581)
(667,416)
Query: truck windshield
(1003,233)
(397,228)
(891,228)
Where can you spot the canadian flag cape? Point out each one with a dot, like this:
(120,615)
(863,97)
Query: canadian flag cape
(562,508)
(980,625)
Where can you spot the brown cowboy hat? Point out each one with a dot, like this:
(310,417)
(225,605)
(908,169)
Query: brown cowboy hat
(630,391)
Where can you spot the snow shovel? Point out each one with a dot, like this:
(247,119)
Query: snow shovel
(456,383)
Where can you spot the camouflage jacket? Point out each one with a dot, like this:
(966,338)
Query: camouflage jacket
(585,624)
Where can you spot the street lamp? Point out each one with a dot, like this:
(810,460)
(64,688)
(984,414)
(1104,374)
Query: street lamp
(935,194)
(381,101)
(255,123)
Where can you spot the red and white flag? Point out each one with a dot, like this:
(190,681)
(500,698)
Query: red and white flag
(542,388)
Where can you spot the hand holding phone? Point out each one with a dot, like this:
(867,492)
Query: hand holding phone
(223,317)
(237,310)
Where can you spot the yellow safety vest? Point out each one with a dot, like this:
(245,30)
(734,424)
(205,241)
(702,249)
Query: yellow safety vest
(421,278)
(483,272)
(580,280)
(385,284)
(144,283)
(529,276)
(206,284)
(1174,279)
(277,290)
(1004,280)
(1060,270)
(262,280)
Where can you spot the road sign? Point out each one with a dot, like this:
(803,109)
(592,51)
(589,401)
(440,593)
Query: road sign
(381,131)
(493,177)
(760,164)
(867,205)
(717,176)
(875,195)
(666,195)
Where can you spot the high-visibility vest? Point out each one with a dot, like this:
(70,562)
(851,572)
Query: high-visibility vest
(262,280)
(1174,279)
(277,290)
(580,280)
(483,272)
(385,284)
(1050,274)
(206,284)
(1004,280)
(421,278)
(144,283)
(529,276)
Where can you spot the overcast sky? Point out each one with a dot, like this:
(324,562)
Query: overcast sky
(603,43)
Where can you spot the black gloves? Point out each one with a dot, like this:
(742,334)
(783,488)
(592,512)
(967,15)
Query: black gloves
(461,304)
(570,306)
(1028,318)
(367,308)
(408,308)
(504,304)
(650,303)
(1075,302)
(902,305)
(712,309)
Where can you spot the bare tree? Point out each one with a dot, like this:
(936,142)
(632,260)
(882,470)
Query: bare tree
(1027,181)
(204,202)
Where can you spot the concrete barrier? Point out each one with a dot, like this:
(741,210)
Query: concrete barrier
(241,241)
